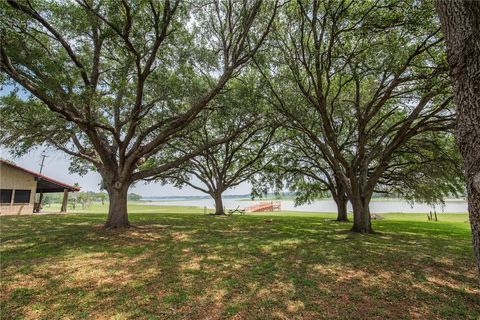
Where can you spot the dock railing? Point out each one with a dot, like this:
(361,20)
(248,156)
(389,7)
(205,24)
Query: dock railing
(266,206)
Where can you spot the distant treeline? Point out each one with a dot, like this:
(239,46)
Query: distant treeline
(82,198)
(274,196)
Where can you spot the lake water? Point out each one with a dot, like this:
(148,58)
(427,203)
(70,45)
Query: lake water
(327,205)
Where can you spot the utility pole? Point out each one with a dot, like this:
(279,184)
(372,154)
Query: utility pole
(43,160)
(40,199)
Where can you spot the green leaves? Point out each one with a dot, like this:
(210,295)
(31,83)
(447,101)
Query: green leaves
(243,120)
(360,84)
(27,124)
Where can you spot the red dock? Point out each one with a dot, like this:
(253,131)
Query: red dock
(265,207)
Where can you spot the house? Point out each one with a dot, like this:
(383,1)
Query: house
(18,187)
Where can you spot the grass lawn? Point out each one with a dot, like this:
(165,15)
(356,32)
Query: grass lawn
(179,264)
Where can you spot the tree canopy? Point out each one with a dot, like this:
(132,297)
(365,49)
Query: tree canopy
(325,97)
(243,115)
(361,80)
(111,83)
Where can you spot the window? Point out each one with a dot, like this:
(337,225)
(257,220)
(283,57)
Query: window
(5,195)
(21,196)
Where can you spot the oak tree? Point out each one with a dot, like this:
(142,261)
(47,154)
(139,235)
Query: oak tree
(243,116)
(111,83)
(359,79)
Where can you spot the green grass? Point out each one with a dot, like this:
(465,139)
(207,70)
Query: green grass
(177,263)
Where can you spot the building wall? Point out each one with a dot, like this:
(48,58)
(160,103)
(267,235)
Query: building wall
(12,178)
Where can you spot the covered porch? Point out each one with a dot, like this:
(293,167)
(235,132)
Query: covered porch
(47,185)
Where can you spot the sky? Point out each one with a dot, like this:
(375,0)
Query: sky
(56,166)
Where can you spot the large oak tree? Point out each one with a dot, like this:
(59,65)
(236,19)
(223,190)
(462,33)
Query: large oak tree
(242,115)
(360,79)
(425,169)
(113,83)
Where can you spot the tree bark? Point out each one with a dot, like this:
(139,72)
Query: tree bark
(342,213)
(117,211)
(64,201)
(460,21)
(218,204)
(361,214)
(341,200)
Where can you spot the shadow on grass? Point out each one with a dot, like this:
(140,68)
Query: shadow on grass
(174,266)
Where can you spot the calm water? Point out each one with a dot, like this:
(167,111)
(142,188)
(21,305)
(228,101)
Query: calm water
(327,205)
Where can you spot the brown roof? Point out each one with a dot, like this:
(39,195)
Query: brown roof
(45,184)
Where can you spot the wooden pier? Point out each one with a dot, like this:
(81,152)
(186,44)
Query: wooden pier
(265,207)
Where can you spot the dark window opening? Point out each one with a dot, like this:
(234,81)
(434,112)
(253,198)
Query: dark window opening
(22,196)
(6,195)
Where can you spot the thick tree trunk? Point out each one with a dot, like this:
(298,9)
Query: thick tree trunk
(361,215)
(460,21)
(117,211)
(342,213)
(341,201)
(218,204)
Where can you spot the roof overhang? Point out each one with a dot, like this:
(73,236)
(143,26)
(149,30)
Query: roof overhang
(44,184)
(50,186)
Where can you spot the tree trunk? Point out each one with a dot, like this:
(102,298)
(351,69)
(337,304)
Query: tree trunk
(460,21)
(341,200)
(218,204)
(117,211)
(63,208)
(361,215)
(342,213)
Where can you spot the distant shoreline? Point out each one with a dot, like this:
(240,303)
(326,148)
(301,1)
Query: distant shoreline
(287,198)
(377,205)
